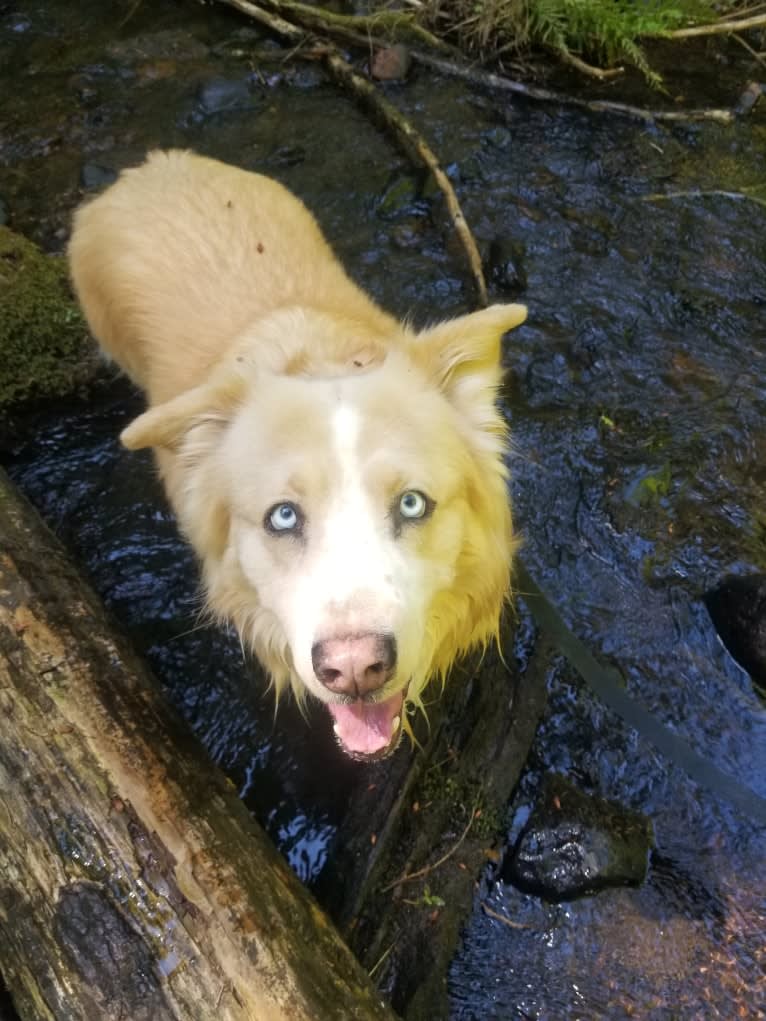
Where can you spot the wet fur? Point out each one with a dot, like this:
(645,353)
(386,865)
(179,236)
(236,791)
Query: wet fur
(214,289)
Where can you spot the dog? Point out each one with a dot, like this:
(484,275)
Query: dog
(340,476)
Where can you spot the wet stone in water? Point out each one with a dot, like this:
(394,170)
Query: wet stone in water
(93,176)
(399,196)
(222,94)
(574,844)
(505,267)
(737,607)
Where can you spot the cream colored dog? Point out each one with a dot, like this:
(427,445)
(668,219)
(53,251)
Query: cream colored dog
(340,476)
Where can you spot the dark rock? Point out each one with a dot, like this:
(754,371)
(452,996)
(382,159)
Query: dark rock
(220,95)
(241,43)
(737,607)
(94,176)
(574,844)
(498,137)
(163,44)
(288,156)
(749,98)
(505,267)
(409,233)
(3,214)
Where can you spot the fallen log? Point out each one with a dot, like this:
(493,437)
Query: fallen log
(133,882)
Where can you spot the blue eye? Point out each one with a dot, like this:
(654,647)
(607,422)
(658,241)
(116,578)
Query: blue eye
(283,517)
(413,504)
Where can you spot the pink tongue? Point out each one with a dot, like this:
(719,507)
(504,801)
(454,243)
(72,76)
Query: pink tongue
(366,727)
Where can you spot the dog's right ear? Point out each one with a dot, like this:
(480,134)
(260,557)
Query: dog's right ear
(165,424)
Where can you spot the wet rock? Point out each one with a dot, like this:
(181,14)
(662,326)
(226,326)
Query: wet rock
(166,43)
(288,156)
(505,267)
(392,63)
(737,607)
(398,196)
(220,95)
(93,176)
(305,76)
(241,43)
(85,91)
(17,23)
(499,137)
(751,95)
(574,844)
(409,233)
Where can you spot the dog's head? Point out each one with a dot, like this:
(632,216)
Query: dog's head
(351,512)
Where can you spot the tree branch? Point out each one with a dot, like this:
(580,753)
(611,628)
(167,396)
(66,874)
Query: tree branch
(389,118)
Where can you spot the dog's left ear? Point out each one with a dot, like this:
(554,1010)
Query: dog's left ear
(164,425)
(463,357)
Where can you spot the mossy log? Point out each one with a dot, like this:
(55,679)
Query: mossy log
(133,882)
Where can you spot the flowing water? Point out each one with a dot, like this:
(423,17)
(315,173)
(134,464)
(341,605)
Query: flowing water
(637,398)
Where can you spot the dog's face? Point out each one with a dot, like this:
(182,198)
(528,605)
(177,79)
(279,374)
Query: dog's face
(352,519)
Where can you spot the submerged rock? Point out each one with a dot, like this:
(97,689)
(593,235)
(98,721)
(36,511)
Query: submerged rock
(737,607)
(399,196)
(94,176)
(220,95)
(574,844)
(505,267)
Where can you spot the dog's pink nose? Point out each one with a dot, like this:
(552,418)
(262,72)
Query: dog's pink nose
(355,665)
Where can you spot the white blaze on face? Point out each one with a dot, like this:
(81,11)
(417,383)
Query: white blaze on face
(348,585)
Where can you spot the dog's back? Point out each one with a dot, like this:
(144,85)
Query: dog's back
(185,241)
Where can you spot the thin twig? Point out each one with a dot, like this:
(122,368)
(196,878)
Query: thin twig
(381,959)
(601,74)
(736,196)
(753,53)
(284,28)
(505,919)
(499,83)
(131,11)
(430,868)
(383,27)
(416,149)
(717,28)
(388,117)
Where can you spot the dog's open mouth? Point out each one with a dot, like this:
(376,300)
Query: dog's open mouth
(368,730)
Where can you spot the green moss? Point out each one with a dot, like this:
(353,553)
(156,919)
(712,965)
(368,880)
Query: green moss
(651,488)
(44,345)
(755,539)
(461,795)
(608,31)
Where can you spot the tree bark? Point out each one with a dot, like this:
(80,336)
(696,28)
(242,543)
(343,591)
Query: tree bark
(133,882)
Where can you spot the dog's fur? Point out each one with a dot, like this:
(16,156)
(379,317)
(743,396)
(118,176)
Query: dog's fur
(277,387)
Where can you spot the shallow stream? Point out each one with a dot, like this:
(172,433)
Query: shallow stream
(637,398)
